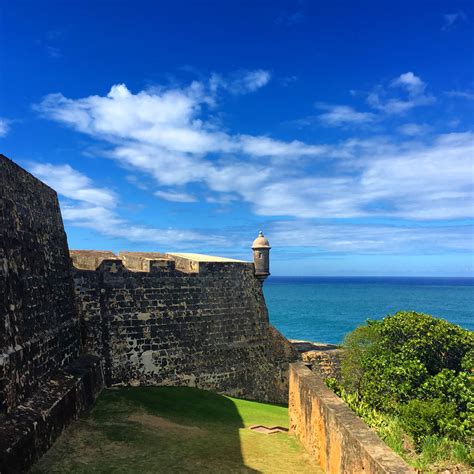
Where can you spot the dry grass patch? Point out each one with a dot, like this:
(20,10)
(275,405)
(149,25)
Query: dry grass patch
(176,429)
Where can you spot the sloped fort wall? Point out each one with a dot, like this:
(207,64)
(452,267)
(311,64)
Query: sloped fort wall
(39,330)
(44,379)
(180,319)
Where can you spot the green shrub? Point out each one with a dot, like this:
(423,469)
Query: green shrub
(417,368)
(422,418)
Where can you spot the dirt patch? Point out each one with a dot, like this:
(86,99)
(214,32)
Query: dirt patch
(158,422)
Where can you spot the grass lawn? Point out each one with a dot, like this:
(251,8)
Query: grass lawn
(176,429)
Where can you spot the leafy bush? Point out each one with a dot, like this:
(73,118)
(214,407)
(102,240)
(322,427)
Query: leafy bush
(417,368)
(422,418)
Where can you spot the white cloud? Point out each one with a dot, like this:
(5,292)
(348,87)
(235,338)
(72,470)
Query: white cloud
(175,197)
(413,129)
(160,133)
(240,82)
(252,80)
(384,101)
(408,181)
(167,121)
(95,208)
(54,52)
(371,239)
(413,84)
(265,146)
(380,100)
(344,115)
(4,126)
(425,182)
(451,19)
(469,95)
(163,133)
(73,185)
(397,106)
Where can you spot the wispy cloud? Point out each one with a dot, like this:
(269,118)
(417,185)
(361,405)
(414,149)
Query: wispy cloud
(265,146)
(469,95)
(4,126)
(164,134)
(377,239)
(50,43)
(288,80)
(290,17)
(240,82)
(175,196)
(93,207)
(451,19)
(413,84)
(399,96)
(414,129)
(84,204)
(380,99)
(336,115)
(53,52)
(410,180)
(73,185)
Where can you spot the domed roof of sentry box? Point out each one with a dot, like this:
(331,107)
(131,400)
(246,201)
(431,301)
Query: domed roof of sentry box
(260,242)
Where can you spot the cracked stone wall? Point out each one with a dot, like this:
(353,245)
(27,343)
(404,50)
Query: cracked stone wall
(39,330)
(167,320)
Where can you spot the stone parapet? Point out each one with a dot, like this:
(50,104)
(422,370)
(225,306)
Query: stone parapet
(321,357)
(331,432)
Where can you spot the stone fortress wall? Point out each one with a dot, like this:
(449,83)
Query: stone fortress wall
(39,330)
(181,319)
(72,323)
(45,378)
(150,319)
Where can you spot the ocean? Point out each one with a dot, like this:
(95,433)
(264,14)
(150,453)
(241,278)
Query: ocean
(324,309)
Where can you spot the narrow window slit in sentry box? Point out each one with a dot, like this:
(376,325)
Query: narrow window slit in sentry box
(268,429)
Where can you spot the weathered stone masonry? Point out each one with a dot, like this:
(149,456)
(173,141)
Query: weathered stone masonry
(145,318)
(39,330)
(45,380)
(332,433)
(181,320)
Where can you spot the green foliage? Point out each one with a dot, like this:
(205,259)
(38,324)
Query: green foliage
(422,418)
(442,452)
(417,370)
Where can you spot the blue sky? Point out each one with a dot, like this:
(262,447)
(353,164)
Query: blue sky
(343,130)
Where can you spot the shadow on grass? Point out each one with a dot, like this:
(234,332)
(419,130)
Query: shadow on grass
(215,419)
(153,429)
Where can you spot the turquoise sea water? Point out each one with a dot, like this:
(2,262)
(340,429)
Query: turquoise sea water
(324,309)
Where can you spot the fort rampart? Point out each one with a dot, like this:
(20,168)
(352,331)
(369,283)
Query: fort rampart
(181,319)
(40,329)
(72,321)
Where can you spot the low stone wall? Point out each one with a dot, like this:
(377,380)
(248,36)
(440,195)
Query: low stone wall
(28,431)
(325,359)
(329,430)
